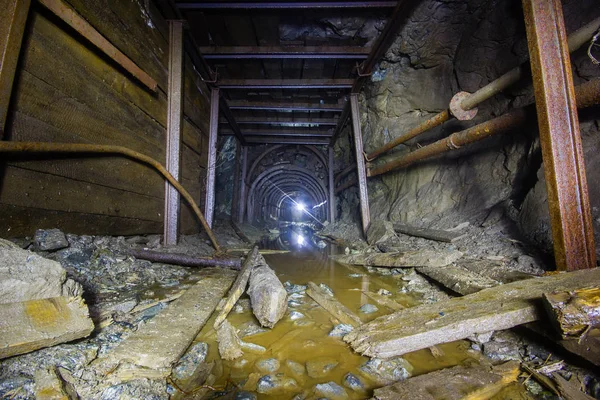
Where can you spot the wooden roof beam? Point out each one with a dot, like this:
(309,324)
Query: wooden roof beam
(285,52)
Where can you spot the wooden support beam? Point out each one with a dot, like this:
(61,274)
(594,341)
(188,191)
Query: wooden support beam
(209,205)
(283,106)
(562,152)
(413,258)
(284,52)
(13,14)
(287,140)
(497,308)
(291,122)
(285,83)
(279,132)
(360,164)
(433,234)
(255,5)
(174,124)
(331,304)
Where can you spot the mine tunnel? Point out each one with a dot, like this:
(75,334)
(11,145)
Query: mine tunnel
(299,199)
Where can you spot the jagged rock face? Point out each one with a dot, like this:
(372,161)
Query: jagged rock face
(226,168)
(451,46)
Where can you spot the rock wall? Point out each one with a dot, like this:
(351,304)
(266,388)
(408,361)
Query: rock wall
(451,46)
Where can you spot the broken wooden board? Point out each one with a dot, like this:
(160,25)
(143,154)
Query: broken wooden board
(238,287)
(383,300)
(574,312)
(416,258)
(432,234)
(34,324)
(332,305)
(496,308)
(448,384)
(458,279)
(162,340)
(493,269)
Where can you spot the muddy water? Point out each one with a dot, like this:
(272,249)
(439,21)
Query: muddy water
(307,338)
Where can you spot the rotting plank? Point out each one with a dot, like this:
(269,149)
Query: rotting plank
(30,325)
(416,258)
(162,340)
(238,287)
(458,279)
(496,308)
(332,305)
(433,234)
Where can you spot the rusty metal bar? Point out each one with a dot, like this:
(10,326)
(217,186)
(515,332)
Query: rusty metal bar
(174,125)
(283,106)
(77,148)
(576,40)
(221,5)
(211,174)
(587,94)
(185,260)
(285,83)
(360,164)
(286,140)
(562,152)
(284,52)
(291,122)
(75,21)
(13,14)
(242,199)
(331,186)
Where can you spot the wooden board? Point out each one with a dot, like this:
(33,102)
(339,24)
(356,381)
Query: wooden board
(30,325)
(458,279)
(496,308)
(332,305)
(416,258)
(433,234)
(162,340)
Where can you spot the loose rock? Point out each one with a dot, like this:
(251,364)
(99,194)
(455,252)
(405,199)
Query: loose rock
(320,367)
(341,330)
(368,308)
(270,384)
(49,239)
(331,390)
(230,346)
(268,365)
(353,382)
(387,371)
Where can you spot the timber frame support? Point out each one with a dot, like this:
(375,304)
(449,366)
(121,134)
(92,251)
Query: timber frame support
(562,152)
(211,172)
(360,164)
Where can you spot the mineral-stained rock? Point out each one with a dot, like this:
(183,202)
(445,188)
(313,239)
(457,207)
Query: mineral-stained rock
(387,371)
(268,365)
(269,384)
(330,390)
(230,346)
(50,239)
(50,386)
(368,308)
(320,367)
(28,276)
(267,295)
(191,369)
(353,382)
(341,330)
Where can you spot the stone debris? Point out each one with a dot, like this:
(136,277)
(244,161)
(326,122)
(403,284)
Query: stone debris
(340,330)
(294,288)
(326,289)
(191,370)
(320,367)
(354,383)
(250,328)
(269,365)
(330,390)
(296,369)
(273,384)
(295,315)
(267,295)
(230,346)
(49,385)
(49,240)
(387,371)
(368,308)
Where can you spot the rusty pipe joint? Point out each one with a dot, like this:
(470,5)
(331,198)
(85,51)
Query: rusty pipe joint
(457,109)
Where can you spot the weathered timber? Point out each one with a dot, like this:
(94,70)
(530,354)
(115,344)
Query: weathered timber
(574,312)
(267,295)
(332,305)
(161,341)
(238,287)
(570,390)
(492,269)
(458,279)
(416,258)
(496,308)
(240,233)
(433,234)
(383,300)
(34,324)
(185,260)
(230,345)
(449,383)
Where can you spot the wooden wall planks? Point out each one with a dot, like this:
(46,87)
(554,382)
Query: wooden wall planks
(67,91)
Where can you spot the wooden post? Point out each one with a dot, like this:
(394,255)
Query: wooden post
(360,164)
(242,204)
(13,14)
(562,152)
(174,123)
(212,157)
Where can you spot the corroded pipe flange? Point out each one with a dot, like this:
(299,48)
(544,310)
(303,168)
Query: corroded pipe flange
(456,109)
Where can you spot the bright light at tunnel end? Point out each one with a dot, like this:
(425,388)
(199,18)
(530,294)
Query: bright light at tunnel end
(300,207)
(300,240)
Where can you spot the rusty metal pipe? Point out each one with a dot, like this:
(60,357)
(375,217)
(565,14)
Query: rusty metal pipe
(587,94)
(576,40)
(185,260)
(43,147)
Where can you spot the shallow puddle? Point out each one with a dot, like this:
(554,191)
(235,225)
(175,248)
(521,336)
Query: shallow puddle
(298,341)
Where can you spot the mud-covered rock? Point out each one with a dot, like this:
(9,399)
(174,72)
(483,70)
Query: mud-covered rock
(320,367)
(331,390)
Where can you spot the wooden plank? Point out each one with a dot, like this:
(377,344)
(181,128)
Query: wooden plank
(332,305)
(575,312)
(18,221)
(162,340)
(458,279)
(30,325)
(416,258)
(238,287)
(496,308)
(384,300)
(433,234)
